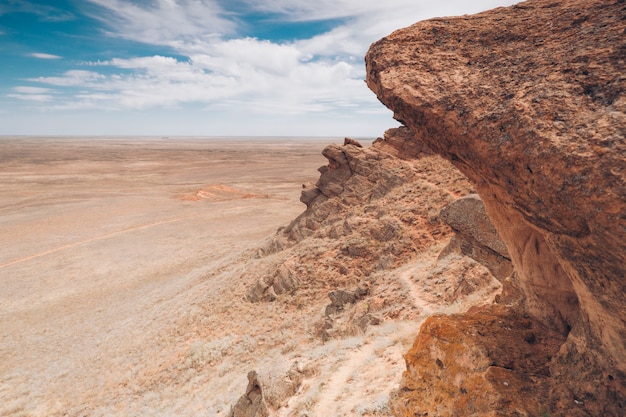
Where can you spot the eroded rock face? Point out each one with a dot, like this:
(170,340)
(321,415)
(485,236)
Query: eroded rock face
(402,143)
(252,403)
(268,391)
(474,364)
(476,237)
(467,216)
(528,102)
(368,212)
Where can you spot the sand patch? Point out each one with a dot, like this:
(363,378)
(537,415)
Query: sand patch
(219,192)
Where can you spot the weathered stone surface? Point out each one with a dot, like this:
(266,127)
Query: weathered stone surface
(535,117)
(268,391)
(361,203)
(252,403)
(283,280)
(476,237)
(402,143)
(475,364)
(467,215)
(353,142)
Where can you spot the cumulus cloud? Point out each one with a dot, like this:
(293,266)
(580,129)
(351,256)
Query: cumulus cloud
(257,75)
(219,67)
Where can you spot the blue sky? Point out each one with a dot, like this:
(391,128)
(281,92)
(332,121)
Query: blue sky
(198,67)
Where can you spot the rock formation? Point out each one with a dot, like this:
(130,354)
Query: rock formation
(366,251)
(368,212)
(476,237)
(402,143)
(252,403)
(268,391)
(528,102)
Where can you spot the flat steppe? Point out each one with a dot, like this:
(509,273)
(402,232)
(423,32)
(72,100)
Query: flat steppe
(106,242)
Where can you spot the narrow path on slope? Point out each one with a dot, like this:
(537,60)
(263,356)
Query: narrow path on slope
(406,280)
(338,384)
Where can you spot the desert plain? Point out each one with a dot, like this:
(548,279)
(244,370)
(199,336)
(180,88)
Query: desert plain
(126,266)
(105,243)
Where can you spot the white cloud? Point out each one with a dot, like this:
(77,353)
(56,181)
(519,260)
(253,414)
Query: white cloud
(306,10)
(228,73)
(40,98)
(72,78)
(163,21)
(31,90)
(29,93)
(257,75)
(42,55)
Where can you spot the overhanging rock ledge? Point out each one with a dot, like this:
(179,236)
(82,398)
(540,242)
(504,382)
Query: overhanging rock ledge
(528,102)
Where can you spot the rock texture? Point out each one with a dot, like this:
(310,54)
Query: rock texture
(268,391)
(476,237)
(402,143)
(528,102)
(368,212)
(252,403)
(467,216)
(476,364)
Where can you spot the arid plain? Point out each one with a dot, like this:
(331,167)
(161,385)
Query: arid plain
(128,269)
(103,245)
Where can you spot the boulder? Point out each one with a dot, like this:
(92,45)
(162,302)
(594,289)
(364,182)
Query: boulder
(402,143)
(535,118)
(476,237)
(268,390)
(252,403)
(467,216)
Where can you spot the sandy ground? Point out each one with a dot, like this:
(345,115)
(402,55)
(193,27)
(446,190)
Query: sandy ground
(102,245)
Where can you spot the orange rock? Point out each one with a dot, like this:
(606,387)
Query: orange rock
(489,361)
(528,102)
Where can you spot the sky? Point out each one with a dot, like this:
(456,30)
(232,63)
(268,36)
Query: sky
(199,67)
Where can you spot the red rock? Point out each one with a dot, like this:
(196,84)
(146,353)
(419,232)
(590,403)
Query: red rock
(528,102)
(402,143)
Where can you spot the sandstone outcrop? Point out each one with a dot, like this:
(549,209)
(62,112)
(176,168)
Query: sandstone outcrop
(490,361)
(475,236)
(252,403)
(368,212)
(528,102)
(402,143)
(268,391)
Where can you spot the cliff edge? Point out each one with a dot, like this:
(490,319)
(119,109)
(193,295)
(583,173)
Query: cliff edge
(528,102)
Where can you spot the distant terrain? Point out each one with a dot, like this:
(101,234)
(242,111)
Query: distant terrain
(128,271)
(110,251)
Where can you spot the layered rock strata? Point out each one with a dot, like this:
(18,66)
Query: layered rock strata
(528,102)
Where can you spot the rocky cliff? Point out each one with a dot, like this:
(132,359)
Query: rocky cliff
(528,102)
(368,212)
